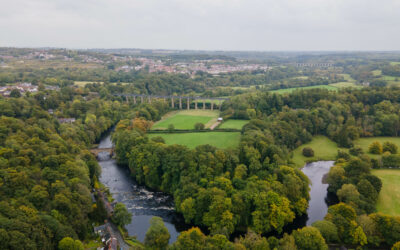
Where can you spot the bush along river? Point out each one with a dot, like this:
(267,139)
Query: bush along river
(142,203)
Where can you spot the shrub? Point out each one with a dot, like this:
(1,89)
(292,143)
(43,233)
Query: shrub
(389,147)
(343,155)
(171,127)
(199,126)
(375,148)
(390,160)
(356,151)
(158,139)
(308,152)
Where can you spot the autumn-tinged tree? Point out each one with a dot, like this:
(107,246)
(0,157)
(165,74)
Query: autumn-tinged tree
(375,148)
(141,124)
(309,238)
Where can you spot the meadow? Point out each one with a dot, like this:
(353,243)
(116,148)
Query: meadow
(83,83)
(186,119)
(192,140)
(345,85)
(235,124)
(366,141)
(324,149)
(289,90)
(389,197)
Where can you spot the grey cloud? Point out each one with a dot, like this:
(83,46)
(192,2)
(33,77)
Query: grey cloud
(202,24)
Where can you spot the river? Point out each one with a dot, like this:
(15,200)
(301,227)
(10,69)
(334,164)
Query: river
(319,199)
(142,203)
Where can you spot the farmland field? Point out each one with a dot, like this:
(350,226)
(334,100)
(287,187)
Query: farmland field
(289,90)
(345,85)
(391,80)
(186,119)
(192,140)
(389,197)
(347,77)
(377,72)
(236,124)
(324,149)
(83,83)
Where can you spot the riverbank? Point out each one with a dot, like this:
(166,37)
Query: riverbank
(324,150)
(141,202)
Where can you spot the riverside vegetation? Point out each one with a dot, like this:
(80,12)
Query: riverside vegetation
(254,189)
(257,186)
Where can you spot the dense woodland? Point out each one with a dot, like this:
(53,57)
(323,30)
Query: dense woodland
(46,171)
(256,186)
(255,190)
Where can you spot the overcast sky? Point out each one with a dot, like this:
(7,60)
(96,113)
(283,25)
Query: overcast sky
(267,25)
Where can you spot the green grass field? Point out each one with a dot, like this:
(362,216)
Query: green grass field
(366,141)
(289,90)
(345,85)
(192,140)
(186,119)
(394,63)
(389,197)
(236,124)
(324,149)
(300,77)
(377,72)
(83,83)
(347,77)
(390,78)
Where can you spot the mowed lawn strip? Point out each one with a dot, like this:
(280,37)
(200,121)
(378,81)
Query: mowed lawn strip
(186,119)
(324,149)
(389,197)
(236,124)
(192,140)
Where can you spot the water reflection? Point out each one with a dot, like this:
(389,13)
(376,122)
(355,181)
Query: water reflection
(319,200)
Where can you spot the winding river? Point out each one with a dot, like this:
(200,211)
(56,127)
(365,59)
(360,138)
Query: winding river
(141,202)
(144,204)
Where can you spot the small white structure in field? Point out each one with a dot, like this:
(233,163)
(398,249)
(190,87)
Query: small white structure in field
(219,119)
